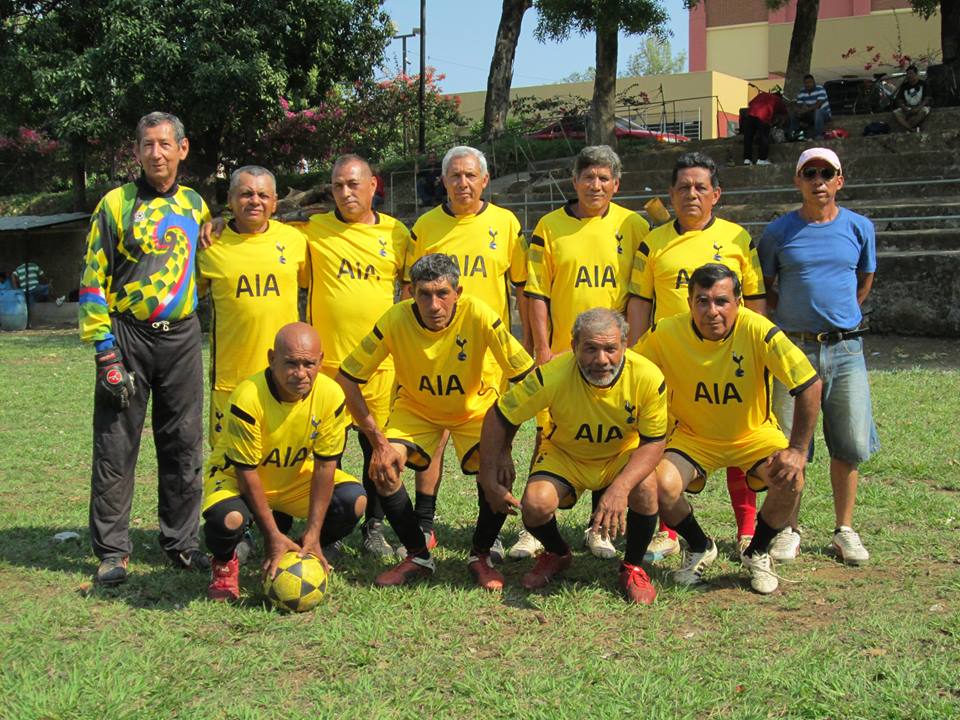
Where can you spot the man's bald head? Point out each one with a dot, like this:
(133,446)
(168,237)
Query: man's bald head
(295,360)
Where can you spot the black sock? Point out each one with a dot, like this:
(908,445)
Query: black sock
(549,535)
(399,512)
(425,508)
(594,501)
(689,529)
(374,511)
(284,522)
(640,530)
(489,524)
(762,537)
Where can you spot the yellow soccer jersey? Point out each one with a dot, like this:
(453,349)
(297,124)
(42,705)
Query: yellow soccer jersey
(577,264)
(440,374)
(253,290)
(487,247)
(667,258)
(722,390)
(592,423)
(280,439)
(353,270)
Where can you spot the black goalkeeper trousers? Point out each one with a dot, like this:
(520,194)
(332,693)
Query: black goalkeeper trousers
(169,366)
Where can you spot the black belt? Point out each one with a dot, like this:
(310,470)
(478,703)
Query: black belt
(161,326)
(827,337)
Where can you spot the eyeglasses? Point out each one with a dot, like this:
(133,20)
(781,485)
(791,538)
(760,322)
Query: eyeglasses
(826,174)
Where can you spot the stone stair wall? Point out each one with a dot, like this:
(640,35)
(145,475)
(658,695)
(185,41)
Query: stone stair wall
(908,183)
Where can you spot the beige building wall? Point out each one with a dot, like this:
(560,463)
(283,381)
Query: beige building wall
(756,51)
(740,50)
(889,31)
(709,92)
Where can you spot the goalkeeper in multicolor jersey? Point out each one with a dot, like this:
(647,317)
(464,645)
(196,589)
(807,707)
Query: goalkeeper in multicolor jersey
(137,302)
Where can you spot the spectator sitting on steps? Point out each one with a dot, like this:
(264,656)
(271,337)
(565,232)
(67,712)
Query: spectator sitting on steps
(913,101)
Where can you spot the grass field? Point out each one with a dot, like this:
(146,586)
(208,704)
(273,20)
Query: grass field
(882,641)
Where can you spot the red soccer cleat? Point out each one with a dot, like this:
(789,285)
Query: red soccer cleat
(483,571)
(224,580)
(547,566)
(636,584)
(408,570)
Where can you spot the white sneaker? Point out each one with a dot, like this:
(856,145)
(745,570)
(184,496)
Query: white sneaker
(661,546)
(694,565)
(848,547)
(747,162)
(598,544)
(496,550)
(526,546)
(762,578)
(763,162)
(785,546)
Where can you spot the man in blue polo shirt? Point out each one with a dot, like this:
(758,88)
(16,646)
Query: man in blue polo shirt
(811,108)
(823,258)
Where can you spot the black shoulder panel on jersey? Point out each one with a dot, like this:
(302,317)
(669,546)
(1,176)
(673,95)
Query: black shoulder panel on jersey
(539,375)
(376,331)
(497,323)
(339,410)
(771,334)
(242,414)
(536,240)
(644,248)
(662,388)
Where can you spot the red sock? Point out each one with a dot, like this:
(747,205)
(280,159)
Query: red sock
(743,500)
(669,531)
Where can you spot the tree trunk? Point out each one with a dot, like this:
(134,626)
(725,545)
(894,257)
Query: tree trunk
(600,130)
(501,68)
(801,46)
(78,167)
(950,31)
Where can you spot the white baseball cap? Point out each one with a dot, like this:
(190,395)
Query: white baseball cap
(819,153)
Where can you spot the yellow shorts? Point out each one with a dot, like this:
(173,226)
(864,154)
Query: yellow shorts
(745,453)
(218,413)
(378,391)
(293,500)
(578,475)
(422,436)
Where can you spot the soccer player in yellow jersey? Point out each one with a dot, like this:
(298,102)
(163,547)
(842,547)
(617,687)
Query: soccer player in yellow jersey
(486,243)
(580,257)
(252,275)
(439,340)
(658,289)
(607,422)
(718,360)
(356,261)
(283,436)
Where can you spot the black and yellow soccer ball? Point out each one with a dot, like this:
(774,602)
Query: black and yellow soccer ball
(298,585)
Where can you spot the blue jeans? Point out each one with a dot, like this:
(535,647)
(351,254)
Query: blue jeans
(821,116)
(848,426)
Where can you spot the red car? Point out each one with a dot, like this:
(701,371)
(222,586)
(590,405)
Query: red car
(574,128)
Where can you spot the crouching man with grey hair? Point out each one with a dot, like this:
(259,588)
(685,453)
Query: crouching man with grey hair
(606,423)
(580,257)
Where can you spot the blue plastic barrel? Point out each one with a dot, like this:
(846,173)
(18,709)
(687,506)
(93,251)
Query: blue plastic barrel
(13,310)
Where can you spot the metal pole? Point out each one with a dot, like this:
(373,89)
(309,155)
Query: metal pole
(403,40)
(422,141)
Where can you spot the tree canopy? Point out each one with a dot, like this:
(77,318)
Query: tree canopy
(84,70)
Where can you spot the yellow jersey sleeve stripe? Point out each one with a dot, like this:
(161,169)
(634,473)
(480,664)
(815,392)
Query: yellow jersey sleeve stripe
(339,410)
(771,334)
(377,332)
(503,418)
(804,385)
(242,466)
(652,438)
(536,240)
(351,378)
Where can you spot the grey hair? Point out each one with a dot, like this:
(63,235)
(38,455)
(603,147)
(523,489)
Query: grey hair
(597,156)
(596,320)
(159,118)
(349,158)
(253,171)
(435,266)
(463,151)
